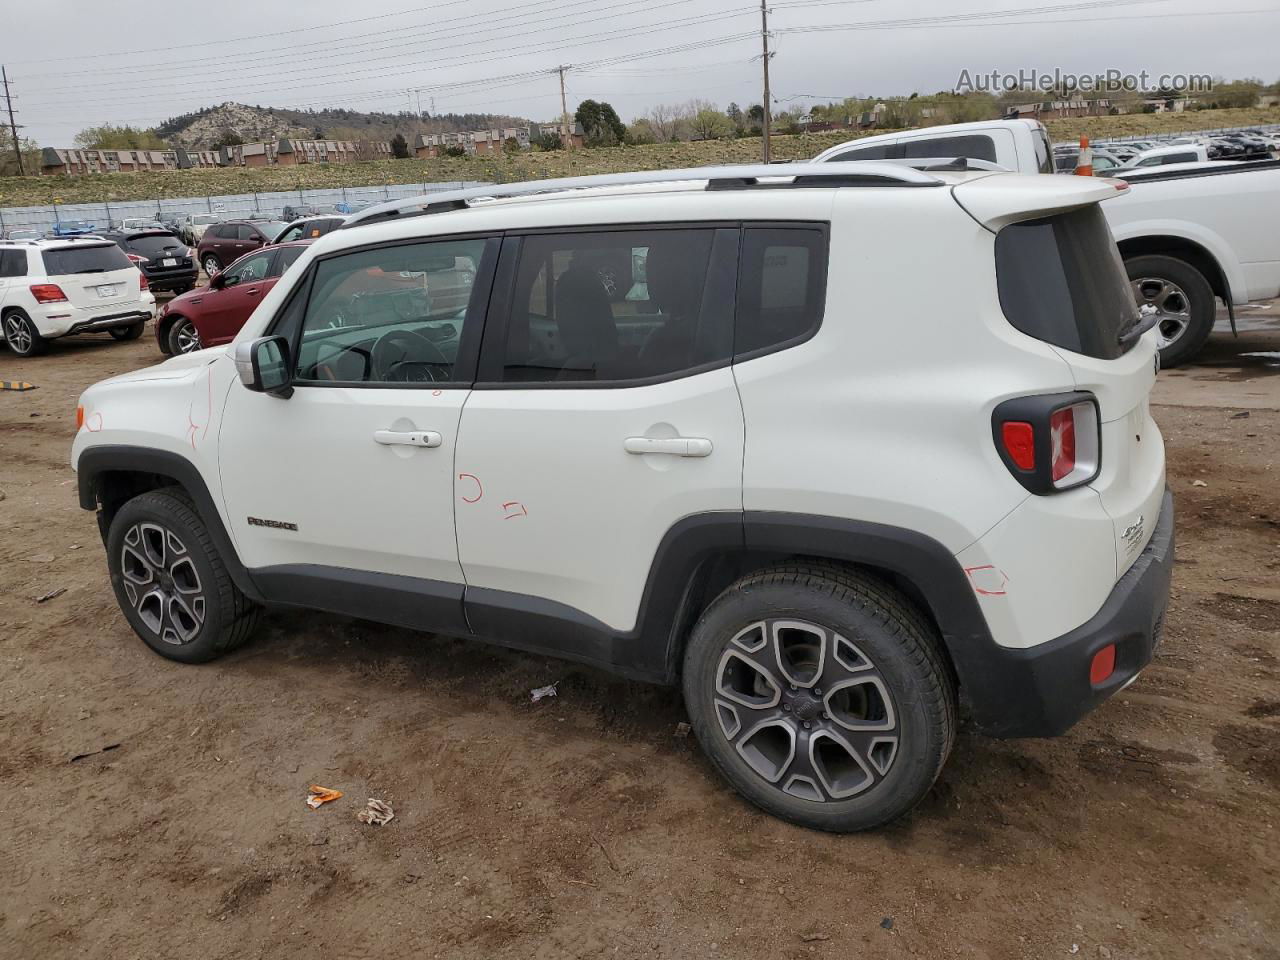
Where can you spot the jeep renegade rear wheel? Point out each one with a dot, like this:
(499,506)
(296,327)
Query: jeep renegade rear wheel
(821,695)
(170,582)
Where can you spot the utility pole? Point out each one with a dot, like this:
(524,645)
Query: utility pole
(764,40)
(566,132)
(13,126)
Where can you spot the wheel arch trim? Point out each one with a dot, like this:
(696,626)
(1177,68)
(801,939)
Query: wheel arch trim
(96,462)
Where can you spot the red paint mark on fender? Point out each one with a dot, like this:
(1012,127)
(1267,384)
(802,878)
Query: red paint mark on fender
(987,580)
(479,487)
(436,393)
(514,508)
(88,424)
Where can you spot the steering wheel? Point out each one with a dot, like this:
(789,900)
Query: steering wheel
(403,356)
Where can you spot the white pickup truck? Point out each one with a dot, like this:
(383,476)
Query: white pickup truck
(1194,234)
(1188,233)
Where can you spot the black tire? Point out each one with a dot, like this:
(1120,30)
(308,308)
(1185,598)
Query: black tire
(159,534)
(1191,285)
(210,260)
(21,335)
(131,332)
(181,334)
(883,637)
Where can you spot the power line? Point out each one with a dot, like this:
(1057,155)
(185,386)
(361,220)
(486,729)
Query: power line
(463,60)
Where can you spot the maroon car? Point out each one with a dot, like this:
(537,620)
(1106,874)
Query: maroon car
(224,243)
(208,316)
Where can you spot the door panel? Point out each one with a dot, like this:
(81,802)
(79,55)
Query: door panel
(610,414)
(550,504)
(356,503)
(353,474)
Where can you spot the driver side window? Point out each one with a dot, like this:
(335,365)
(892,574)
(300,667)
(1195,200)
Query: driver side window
(394,314)
(249,270)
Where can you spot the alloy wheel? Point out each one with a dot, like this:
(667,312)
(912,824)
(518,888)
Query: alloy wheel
(1170,304)
(161,583)
(17,331)
(210,266)
(806,710)
(186,337)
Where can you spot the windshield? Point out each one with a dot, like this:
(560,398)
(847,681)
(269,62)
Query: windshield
(204,219)
(1061,280)
(96,259)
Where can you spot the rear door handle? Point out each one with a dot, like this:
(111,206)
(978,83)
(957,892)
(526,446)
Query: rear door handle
(408,438)
(672,446)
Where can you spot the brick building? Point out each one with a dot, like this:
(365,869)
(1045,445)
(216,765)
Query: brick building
(74,162)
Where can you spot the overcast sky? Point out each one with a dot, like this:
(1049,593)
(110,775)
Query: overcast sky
(75,63)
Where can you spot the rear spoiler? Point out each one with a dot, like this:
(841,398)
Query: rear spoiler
(998,201)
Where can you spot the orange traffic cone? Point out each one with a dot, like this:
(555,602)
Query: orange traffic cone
(1084,163)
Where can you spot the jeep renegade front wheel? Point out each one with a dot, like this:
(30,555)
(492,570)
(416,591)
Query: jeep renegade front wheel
(170,582)
(821,696)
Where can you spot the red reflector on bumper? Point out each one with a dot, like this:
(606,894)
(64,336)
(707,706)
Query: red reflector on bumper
(1103,665)
(1019,439)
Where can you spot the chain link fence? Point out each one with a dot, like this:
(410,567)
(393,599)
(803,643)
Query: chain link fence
(108,215)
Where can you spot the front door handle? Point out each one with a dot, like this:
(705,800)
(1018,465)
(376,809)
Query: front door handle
(672,446)
(408,438)
(251,292)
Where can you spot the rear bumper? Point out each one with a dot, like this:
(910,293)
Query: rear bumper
(64,322)
(1042,691)
(173,279)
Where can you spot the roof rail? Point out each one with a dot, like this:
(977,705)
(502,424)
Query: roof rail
(732,177)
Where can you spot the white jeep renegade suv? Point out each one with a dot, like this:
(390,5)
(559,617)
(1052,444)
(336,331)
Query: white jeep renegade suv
(55,288)
(838,450)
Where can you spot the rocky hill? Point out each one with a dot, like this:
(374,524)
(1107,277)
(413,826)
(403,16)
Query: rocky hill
(206,128)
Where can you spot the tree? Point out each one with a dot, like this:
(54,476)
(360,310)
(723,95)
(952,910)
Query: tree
(108,137)
(455,151)
(640,132)
(710,124)
(734,113)
(601,125)
(399,147)
(511,145)
(549,141)
(9,163)
(662,121)
(755,113)
(228,138)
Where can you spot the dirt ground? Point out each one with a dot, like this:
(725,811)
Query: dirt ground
(154,810)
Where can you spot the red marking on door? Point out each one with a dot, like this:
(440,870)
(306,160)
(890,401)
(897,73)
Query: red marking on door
(514,508)
(88,424)
(992,580)
(436,393)
(479,487)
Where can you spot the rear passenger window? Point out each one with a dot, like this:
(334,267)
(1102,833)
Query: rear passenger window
(13,263)
(974,146)
(880,152)
(781,288)
(285,259)
(612,306)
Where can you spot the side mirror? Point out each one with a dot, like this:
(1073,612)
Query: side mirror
(263,366)
(217,281)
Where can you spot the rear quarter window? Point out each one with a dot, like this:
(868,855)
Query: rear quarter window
(13,263)
(976,146)
(1061,280)
(782,282)
(99,259)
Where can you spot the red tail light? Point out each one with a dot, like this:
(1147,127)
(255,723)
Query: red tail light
(1019,439)
(142,282)
(48,293)
(1050,442)
(135,259)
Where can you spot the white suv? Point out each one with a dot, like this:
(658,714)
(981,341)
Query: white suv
(55,288)
(838,449)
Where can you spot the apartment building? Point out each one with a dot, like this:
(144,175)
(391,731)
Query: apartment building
(475,142)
